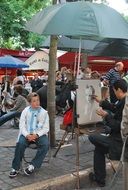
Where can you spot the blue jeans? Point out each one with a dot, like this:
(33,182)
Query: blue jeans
(8,116)
(42,149)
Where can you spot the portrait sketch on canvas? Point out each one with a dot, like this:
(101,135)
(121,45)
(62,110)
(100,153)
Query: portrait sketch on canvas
(89,94)
(85,103)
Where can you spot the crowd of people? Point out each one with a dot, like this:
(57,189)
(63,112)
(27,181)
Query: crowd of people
(28,100)
(11,92)
(30,105)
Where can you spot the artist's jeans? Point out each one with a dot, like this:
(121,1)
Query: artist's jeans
(101,144)
(42,149)
(10,115)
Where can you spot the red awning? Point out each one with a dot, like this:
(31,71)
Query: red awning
(101,64)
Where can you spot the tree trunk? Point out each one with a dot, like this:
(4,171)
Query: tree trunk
(51,88)
(54,2)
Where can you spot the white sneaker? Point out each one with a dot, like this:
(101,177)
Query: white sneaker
(13,173)
(29,170)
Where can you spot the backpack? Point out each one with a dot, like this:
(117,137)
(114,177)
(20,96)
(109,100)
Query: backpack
(68,117)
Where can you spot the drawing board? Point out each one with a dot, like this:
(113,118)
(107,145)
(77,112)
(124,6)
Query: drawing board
(86,106)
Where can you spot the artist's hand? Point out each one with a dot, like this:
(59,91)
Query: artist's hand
(101,112)
(96,98)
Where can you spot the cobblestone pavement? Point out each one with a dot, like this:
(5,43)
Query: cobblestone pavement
(64,163)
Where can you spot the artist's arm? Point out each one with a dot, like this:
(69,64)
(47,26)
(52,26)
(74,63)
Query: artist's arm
(96,98)
(106,105)
(113,123)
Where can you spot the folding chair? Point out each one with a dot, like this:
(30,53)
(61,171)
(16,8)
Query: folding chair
(120,165)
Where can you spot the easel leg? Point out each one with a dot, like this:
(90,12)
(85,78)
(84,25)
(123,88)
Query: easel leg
(113,168)
(70,138)
(125,175)
(116,174)
(77,161)
(61,143)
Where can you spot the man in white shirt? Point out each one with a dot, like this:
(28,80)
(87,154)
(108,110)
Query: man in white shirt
(34,127)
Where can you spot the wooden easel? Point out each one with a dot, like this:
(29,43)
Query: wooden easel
(81,131)
(67,131)
(77,131)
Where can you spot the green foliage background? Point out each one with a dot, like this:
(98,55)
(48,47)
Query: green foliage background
(13,15)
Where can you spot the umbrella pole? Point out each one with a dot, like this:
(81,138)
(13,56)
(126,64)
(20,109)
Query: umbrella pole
(77,135)
(0,92)
(6,84)
(75,64)
(6,75)
(77,159)
(79,54)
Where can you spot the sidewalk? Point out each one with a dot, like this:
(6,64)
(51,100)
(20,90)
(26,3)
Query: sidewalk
(58,172)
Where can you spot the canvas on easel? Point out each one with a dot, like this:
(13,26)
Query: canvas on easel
(86,106)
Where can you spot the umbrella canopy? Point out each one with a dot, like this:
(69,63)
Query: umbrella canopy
(68,44)
(117,48)
(39,60)
(11,62)
(79,19)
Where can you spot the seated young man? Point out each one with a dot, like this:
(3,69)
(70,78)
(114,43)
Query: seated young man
(111,144)
(34,127)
